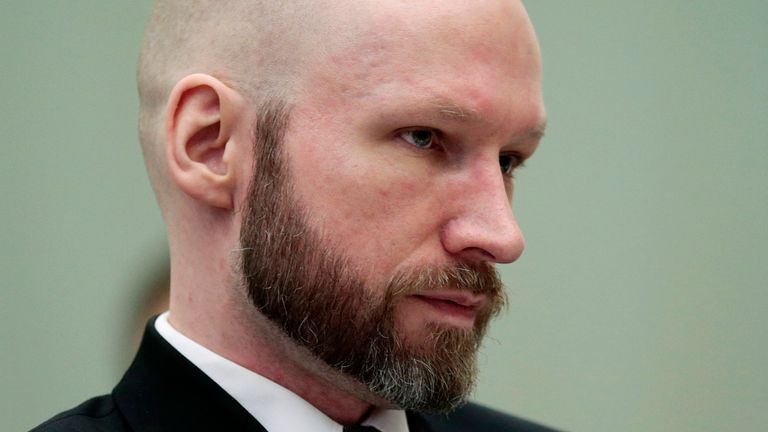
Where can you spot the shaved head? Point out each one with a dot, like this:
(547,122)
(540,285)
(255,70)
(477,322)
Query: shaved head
(253,46)
(262,48)
(250,44)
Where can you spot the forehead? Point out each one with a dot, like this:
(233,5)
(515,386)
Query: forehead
(468,59)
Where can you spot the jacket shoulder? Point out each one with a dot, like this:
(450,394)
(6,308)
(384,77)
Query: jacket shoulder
(474,417)
(98,414)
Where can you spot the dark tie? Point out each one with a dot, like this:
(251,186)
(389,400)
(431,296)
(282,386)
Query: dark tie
(360,428)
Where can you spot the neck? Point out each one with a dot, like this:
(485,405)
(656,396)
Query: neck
(244,336)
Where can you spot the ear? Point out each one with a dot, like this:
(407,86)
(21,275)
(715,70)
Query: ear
(201,119)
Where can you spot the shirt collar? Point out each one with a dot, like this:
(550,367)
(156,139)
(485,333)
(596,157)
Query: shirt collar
(275,407)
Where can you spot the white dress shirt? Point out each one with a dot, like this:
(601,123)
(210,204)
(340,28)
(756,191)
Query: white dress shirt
(275,407)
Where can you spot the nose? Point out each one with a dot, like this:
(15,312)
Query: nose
(483,227)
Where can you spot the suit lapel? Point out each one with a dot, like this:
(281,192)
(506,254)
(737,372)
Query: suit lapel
(417,423)
(163,391)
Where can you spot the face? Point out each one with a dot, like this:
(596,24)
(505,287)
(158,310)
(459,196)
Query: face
(296,278)
(401,141)
(374,249)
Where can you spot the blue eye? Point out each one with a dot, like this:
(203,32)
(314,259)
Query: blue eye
(421,138)
(508,163)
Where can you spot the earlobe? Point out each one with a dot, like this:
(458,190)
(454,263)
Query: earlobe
(202,116)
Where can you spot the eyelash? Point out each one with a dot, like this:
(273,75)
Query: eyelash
(435,137)
(518,162)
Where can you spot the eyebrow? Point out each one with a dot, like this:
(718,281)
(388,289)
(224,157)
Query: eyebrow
(453,112)
(534,134)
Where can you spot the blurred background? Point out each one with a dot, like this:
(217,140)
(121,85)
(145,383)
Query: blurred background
(640,302)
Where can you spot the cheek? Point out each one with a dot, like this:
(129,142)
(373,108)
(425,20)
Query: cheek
(367,202)
(364,202)
(388,196)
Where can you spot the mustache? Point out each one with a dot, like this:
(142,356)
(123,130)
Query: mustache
(478,278)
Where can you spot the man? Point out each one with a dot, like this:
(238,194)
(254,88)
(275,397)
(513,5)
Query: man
(336,180)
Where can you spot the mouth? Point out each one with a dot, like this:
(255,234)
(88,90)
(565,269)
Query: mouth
(458,308)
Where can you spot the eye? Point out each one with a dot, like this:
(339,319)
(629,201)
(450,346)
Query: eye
(421,138)
(508,163)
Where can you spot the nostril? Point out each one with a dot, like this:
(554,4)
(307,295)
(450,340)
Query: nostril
(480,254)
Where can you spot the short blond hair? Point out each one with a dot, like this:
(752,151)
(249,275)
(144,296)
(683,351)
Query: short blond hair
(253,46)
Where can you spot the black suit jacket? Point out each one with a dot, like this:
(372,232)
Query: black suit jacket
(163,391)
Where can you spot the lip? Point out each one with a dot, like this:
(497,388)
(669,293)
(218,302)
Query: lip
(461,298)
(457,308)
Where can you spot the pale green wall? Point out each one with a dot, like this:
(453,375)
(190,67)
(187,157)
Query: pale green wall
(639,303)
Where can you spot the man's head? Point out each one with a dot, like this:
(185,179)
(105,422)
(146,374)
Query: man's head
(359,158)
